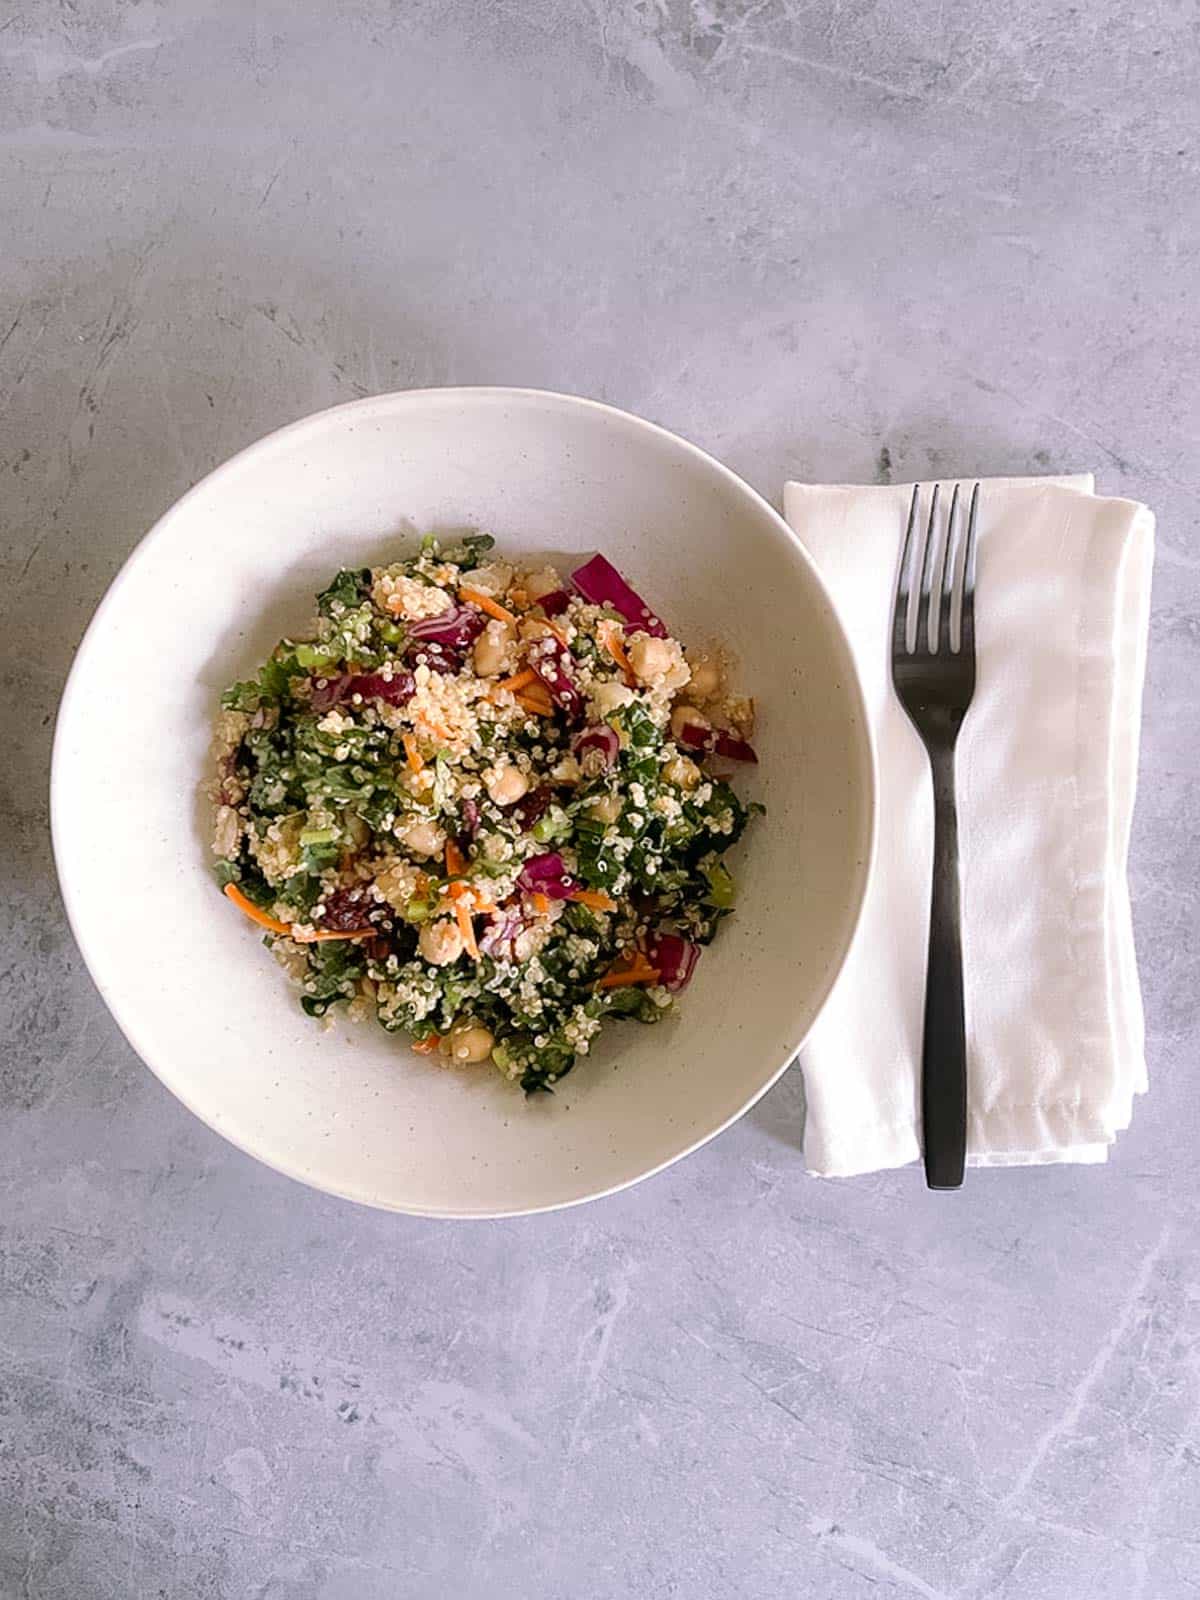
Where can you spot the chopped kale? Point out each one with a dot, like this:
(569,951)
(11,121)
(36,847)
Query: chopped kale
(349,588)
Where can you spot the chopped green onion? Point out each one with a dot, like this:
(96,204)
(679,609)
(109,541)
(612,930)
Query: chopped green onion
(316,656)
(554,825)
(318,836)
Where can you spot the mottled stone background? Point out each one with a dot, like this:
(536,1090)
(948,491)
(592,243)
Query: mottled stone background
(826,237)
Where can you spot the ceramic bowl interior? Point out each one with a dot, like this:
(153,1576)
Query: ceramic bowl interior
(232,567)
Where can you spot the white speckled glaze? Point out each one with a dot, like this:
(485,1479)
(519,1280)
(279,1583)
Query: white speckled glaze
(231,568)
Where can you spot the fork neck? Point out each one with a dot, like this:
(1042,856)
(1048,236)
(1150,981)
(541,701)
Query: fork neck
(939,726)
(941,765)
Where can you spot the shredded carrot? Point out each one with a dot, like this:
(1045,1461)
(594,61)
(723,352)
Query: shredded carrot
(541,903)
(493,608)
(456,862)
(593,899)
(253,912)
(616,649)
(470,896)
(426,1047)
(463,917)
(415,761)
(541,707)
(518,680)
(519,598)
(287,930)
(640,972)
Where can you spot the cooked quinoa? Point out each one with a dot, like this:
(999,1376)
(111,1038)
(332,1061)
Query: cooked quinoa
(484,803)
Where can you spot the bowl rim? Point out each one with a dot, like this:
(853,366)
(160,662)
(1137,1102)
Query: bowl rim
(385,402)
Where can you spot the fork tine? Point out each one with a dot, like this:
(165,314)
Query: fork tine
(966,632)
(944,641)
(927,574)
(904,581)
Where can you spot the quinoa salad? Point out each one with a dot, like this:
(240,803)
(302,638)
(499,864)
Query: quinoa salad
(488,804)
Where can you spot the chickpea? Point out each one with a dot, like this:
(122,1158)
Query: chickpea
(506,785)
(658,661)
(606,809)
(649,657)
(539,584)
(490,654)
(706,677)
(423,838)
(610,697)
(687,717)
(682,772)
(440,942)
(469,1041)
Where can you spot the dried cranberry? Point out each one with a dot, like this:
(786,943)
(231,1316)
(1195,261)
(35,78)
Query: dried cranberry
(531,806)
(345,910)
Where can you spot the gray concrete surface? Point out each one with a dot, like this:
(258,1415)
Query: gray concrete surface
(837,239)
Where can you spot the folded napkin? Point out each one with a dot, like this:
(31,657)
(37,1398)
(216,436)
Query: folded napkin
(1047,765)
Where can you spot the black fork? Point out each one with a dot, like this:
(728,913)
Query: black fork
(934,681)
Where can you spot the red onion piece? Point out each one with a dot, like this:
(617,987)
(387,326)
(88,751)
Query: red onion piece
(396,690)
(734,748)
(673,958)
(443,658)
(547,865)
(458,627)
(724,743)
(551,660)
(330,692)
(497,938)
(600,582)
(597,739)
(546,874)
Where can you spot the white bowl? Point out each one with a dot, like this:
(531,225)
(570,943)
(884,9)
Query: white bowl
(232,567)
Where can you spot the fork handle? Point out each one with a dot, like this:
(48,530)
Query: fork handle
(944,1049)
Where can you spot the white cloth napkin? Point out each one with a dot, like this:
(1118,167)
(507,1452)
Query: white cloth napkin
(1047,766)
